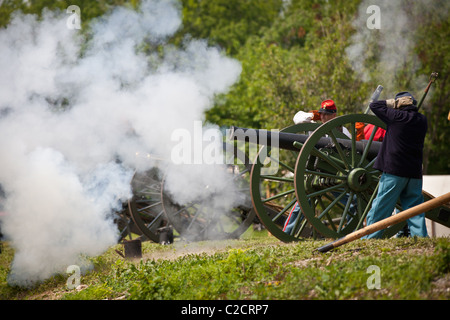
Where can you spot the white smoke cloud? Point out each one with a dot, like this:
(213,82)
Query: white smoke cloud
(73,118)
(393,44)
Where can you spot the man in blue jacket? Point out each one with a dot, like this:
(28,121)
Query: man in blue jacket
(400,160)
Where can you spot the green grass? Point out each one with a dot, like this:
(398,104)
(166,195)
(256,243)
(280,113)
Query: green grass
(259,267)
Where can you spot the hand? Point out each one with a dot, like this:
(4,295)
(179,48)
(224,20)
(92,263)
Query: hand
(316,115)
(399,103)
(390,103)
(303,117)
(403,101)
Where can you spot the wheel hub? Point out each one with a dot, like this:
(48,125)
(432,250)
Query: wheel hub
(359,179)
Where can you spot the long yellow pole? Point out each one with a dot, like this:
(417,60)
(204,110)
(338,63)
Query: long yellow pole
(383,224)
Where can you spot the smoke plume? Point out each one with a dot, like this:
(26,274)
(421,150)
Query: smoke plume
(384,52)
(74,113)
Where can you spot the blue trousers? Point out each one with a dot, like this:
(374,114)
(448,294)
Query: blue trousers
(293,216)
(390,189)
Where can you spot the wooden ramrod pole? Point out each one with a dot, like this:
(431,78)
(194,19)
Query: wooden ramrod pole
(383,224)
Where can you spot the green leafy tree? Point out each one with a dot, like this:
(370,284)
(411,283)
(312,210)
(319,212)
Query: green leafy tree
(227,23)
(433,49)
(295,65)
(293,57)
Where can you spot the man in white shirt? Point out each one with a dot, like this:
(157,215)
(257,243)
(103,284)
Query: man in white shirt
(326,112)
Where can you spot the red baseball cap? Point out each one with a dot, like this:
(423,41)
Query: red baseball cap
(328,106)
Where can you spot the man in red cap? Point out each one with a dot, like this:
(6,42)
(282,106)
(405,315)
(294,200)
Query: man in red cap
(326,112)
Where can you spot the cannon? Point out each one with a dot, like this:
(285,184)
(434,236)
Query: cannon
(329,175)
(152,212)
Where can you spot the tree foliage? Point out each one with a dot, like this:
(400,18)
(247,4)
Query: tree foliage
(296,64)
(228,23)
(293,57)
(433,49)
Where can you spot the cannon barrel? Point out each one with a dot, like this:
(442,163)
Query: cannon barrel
(286,141)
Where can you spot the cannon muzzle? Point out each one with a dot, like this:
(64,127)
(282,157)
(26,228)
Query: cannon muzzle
(292,141)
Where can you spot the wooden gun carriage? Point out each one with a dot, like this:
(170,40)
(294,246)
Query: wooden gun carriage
(328,174)
(152,212)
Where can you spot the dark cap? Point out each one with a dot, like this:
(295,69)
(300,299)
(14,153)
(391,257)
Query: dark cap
(328,106)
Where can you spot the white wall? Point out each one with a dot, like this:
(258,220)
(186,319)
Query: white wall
(437,186)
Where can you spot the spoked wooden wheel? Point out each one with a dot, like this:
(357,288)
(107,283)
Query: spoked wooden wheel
(273,190)
(201,219)
(125,224)
(336,184)
(145,207)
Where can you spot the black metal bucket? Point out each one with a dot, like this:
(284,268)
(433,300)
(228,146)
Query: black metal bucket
(132,248)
